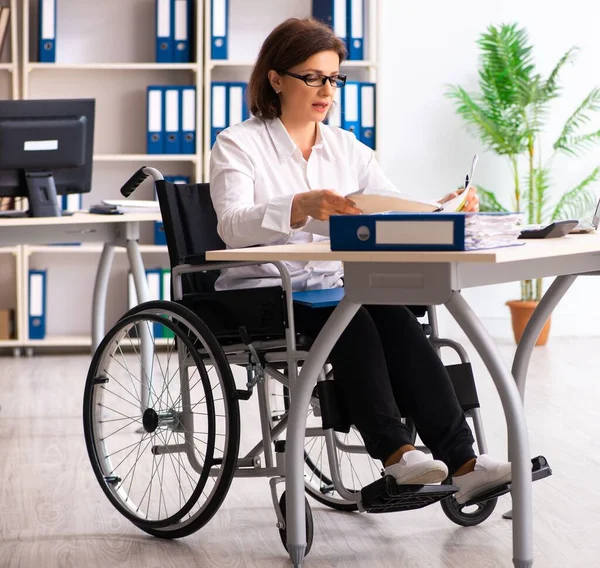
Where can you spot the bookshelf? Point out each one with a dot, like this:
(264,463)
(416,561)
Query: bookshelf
(10,257)
(106,51)
(245,43)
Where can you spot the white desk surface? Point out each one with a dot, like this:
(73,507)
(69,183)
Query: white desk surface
(77,219)
(532,249)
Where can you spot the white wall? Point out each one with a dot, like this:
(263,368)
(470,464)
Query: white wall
(425,147)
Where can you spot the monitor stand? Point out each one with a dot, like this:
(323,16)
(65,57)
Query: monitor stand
(41,191)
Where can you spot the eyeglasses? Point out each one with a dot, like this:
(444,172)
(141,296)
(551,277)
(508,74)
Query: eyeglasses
(314,80)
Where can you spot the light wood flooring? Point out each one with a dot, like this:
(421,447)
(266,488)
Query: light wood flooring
(53,514)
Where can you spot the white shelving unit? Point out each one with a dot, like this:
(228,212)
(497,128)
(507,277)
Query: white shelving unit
(106,51)
(245,42)
(10,291)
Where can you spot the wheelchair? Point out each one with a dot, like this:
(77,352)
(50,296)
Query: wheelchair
(161,405)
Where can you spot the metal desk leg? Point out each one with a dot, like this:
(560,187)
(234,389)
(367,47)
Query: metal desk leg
(300,399)
(549,301)
(100,289)
(534,326)
(518,442)
(146,339)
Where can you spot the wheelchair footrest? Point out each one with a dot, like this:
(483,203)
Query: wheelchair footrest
(540,469)
(386,496)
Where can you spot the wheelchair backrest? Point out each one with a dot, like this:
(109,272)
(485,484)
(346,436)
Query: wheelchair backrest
(190,224)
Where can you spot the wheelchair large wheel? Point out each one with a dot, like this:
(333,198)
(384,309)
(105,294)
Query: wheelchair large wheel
(161,419)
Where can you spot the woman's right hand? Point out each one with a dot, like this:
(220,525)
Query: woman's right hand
(320,204)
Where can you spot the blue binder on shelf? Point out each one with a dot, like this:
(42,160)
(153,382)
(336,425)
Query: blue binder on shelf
(154,121)
(334,14)
(367,114)
(319,298)
(154,279)
(356,29)
(37,304)
(164,32)
(187,105)
(159,234)
(237,107)
(172,120)
(219,104)
(219,29)
(47,31)
(165,294)
(182,30)
(71,202)
(351,106)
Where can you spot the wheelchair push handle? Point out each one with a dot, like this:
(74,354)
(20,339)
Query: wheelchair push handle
(137,178)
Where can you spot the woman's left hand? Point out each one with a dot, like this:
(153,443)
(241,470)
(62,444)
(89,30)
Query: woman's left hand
(471,203)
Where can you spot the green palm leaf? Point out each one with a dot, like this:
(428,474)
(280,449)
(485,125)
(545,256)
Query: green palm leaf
(550,88)
(492,132)
(488,201)
(574,203)
(580,117)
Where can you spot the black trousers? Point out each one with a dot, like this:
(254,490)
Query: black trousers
(387,368)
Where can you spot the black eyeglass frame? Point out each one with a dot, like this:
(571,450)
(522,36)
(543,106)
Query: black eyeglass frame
(324,78)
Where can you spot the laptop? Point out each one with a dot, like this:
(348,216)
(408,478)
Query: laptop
(587,227)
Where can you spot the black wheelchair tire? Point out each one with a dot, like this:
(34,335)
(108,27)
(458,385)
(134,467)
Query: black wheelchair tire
(456,512)
(175,530)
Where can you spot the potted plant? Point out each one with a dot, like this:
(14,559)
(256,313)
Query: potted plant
(509,115)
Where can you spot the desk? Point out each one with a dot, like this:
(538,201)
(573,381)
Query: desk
(414,278)
(112,230)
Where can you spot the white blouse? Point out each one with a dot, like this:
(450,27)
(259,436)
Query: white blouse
(255,171)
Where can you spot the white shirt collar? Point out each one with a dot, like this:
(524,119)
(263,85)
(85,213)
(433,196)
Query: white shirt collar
(284,144)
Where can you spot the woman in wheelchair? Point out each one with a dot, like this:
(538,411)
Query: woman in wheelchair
(270,177)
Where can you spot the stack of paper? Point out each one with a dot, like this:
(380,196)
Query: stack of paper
(490,230)
(133,206)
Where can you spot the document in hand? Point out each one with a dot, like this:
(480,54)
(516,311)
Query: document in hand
(381,202)
(425,231)
(372,203)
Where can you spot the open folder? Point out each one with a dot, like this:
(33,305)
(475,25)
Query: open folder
(381,202)
(373,203)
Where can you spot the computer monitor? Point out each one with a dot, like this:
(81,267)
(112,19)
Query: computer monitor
(46,149)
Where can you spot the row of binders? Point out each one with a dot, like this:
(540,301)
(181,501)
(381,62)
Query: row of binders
(159,288)
(159,228)
(346,17)
(171,120)
(228,106)
(174,31)
(353,109)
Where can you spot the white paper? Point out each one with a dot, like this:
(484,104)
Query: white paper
(378,203)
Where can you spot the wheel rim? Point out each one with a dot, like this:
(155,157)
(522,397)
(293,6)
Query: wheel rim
(152,460)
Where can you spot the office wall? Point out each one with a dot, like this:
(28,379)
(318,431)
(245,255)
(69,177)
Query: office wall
(426,148)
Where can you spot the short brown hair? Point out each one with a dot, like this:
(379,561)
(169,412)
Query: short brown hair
(289,44)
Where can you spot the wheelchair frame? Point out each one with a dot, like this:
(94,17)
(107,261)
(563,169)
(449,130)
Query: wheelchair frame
(265,359)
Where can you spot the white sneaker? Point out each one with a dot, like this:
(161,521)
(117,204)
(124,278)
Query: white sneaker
(489,473)
(417,468)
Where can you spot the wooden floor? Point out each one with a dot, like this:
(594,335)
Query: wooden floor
(54,515)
